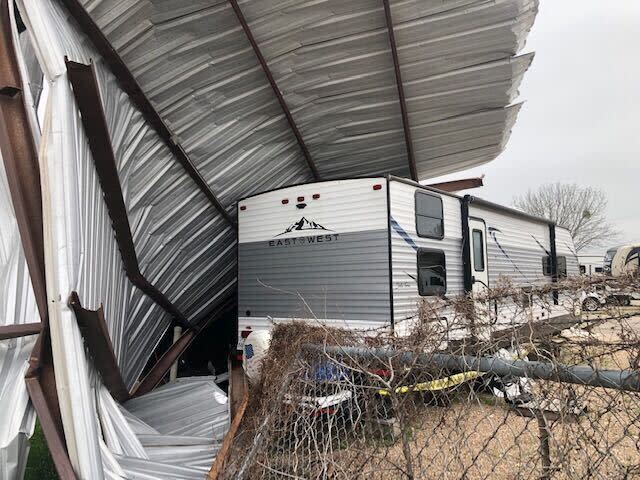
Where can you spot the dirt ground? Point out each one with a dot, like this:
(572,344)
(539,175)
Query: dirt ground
(481,437)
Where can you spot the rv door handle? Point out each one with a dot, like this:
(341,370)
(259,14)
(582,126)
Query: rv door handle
(473,280)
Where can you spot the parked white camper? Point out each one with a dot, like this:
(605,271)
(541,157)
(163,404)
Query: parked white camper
(360,253)
(626,260)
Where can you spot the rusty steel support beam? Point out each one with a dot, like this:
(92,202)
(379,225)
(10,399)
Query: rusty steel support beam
(457,185)
(93,328)
(274,87)
(40,381)
(163,365)
(19,330)
(87,95)
(128,83)
(20,160)
(403,102)
(55,441)
(173,353)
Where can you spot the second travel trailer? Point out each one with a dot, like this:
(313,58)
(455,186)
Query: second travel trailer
(360,253)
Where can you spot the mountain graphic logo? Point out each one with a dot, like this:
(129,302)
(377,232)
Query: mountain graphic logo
(303,224)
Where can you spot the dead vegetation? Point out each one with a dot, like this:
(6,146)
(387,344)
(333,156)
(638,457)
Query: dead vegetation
(319,414)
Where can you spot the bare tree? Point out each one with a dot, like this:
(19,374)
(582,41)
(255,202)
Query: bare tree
(579,209)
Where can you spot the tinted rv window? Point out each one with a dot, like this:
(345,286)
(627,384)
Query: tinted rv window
(429,221)
(432,272)
(546,266)
(562,267)
(478,251)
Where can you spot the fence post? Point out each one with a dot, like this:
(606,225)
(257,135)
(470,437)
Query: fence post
(545,451)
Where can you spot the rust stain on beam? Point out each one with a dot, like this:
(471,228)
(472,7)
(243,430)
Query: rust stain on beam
(87,95)
(276,90)
(129,84)
(457,185)
(19,330)
(403,102)
(93,328)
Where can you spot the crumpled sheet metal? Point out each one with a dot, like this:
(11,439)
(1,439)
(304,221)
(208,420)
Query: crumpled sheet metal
(17,306)
(173,432)
(191,406)
(332,62)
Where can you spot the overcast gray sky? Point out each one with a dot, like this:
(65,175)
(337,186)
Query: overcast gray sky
(581,118)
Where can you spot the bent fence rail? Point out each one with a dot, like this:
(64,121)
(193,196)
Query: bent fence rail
(553,403)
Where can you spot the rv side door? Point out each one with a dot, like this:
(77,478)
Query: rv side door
(479,272)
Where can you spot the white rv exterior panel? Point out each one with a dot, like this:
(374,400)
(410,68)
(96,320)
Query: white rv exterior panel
(516,246)
(405,242)
(328,261)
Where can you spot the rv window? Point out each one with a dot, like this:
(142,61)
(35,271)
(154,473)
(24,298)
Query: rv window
(546,266)
(432,272)
(478,251)
(598,269)
(562,267)
(429,216)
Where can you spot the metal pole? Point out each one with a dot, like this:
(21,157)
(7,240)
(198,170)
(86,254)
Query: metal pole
(628,380)
(545,451)
(173,373)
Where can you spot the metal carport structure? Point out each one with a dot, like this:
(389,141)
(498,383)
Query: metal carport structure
(156,115)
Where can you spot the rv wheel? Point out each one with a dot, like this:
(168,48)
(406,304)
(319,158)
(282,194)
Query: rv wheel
(590,304)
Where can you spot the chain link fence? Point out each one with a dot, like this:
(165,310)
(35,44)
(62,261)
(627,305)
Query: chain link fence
(513,393)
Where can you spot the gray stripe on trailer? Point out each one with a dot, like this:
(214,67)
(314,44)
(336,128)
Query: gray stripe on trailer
(331,275)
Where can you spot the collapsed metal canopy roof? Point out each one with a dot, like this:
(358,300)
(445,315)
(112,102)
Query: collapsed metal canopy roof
(208,101)
(332,62)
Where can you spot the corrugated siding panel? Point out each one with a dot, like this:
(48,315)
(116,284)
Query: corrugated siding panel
(515,246)
(345,278)
(404,260)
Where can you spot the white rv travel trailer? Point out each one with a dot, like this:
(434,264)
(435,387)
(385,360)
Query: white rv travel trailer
(359,253)
(625,260)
